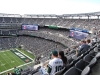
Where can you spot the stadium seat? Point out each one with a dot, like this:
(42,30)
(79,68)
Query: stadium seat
(86,71)
(72,71)
(92,53)
(96,52)
(89,59)
(70,62)
(82,67)
(60,72)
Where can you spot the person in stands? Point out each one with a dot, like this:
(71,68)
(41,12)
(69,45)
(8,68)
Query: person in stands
(64,59)
(68,50)
(88,41)
(82,48)
(56,64)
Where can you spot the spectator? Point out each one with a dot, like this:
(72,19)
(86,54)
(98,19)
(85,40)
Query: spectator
(83,47)
(94,39)
(55,64)
(64,59)
(88,41)
(68,50)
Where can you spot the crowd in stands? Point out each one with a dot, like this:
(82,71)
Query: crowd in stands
(36,45)
(55,35)
(70,23)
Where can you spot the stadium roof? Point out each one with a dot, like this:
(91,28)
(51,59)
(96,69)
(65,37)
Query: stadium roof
(50,15)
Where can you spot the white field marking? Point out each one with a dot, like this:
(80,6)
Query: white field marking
(4,50)
(6,61)
(25,55)
(12,61)
(13,68)
(4,54)
(14,58)
(4,66)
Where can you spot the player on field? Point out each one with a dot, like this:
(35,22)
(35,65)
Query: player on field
(56,64)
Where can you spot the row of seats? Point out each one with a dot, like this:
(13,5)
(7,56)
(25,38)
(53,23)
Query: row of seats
(85,63)
(8,32)
(77,23)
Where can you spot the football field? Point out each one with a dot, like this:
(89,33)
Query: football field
(13,58)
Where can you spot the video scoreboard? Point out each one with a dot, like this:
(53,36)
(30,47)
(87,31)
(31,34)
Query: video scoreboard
(29,27)
(78,35)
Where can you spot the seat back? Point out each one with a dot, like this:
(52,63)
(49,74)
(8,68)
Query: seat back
(60,72)
(70,60)
(80,65)
(92,53)
(71,71)
(86,71)
(93,61)
(87,58)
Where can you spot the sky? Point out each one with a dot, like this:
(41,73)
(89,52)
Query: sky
(49,6)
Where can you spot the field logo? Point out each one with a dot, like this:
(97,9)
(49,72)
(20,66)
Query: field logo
(20,55)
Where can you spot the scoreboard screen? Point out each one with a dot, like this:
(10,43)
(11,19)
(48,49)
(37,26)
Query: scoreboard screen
(78,35)
(29,27)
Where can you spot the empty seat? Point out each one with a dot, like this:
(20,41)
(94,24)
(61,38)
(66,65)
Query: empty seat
(86,71)
(92,53)
(70,62)
(82,67)
(89,59)
(77,59)
(96,52)
(72,71)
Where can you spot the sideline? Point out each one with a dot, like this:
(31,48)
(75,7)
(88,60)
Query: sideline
(13,68)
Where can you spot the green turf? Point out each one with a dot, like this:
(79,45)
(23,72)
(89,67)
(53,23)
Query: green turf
(9,60)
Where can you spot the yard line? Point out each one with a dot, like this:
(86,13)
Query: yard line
(13,57)
(13,68)
(4,66)
(6,61)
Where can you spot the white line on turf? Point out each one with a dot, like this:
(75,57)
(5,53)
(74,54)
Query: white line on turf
(6,61)
(4,66)
(13,68)
(12,57)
